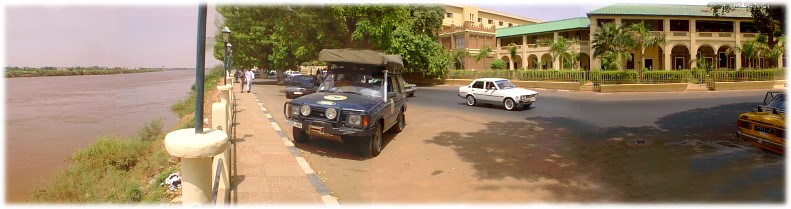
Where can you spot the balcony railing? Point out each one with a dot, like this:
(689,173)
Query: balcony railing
(725,35)
(679,34)
(748,35)
(704,35)
(655,33)
(467,25)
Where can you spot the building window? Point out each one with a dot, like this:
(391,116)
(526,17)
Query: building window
(472,17)
(480,19)
(510,25)
(501,23)
(491,21)
(449,15)
(459,42)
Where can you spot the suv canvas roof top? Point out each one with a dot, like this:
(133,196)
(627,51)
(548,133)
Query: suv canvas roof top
(354,56)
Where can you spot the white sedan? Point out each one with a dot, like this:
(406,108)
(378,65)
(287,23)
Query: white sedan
(497,91)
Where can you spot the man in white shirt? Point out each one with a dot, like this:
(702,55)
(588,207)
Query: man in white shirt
(248,78)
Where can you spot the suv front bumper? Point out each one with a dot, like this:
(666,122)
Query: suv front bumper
(321,128)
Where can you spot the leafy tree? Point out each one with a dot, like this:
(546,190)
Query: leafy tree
(769,19)
(498,64)
(271,36)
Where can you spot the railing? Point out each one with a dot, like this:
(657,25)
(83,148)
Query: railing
(723,35)
(748,35)
(679,34)
(704,35)
(655,33)
(625,76)
(216,184)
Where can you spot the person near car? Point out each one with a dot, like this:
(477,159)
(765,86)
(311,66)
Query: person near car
(248,78)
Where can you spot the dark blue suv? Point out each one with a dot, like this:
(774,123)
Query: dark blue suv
(361,96)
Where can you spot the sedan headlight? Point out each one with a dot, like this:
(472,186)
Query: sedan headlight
(331,113)
(305,110)
(355,120)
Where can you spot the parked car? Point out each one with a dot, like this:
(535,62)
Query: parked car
(359,99)
(410,89)
(287,77)
(300,85)
(497,91)
(765,125)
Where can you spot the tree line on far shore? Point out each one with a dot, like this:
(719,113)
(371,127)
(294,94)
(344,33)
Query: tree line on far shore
(14,72)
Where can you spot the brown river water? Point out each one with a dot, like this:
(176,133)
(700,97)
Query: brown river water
(48,118)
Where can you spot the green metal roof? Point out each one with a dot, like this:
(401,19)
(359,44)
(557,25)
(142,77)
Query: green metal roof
(665,10)
(573,23)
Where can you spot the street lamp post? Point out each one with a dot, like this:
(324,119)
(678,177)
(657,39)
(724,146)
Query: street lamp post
(226,36)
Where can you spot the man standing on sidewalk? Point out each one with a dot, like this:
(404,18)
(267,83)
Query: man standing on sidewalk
(248,78)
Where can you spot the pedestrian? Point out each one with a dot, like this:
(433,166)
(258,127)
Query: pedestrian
(241,81)
(238,76)
(248,78)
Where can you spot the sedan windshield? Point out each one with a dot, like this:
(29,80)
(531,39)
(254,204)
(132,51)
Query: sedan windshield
(304,81)
(366,85)
(504,84)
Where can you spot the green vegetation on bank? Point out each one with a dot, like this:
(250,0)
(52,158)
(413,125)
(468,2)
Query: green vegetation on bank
(13,72)
(123,170)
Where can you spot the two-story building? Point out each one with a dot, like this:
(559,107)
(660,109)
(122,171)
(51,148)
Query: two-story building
(470,28)
(692,34)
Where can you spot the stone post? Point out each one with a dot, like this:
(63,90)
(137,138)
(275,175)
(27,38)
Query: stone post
(196,152)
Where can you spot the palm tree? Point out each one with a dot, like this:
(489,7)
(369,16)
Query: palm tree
(749,50)
(559,49)
(457,58)
(612,39)
(483,53)
(512,52)
(643,39)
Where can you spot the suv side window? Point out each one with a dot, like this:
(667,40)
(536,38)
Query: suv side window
(477,85)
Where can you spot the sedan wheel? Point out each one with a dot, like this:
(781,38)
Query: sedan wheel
(470,100)
(509,104)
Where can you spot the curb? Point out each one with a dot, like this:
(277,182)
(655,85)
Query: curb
(322,189)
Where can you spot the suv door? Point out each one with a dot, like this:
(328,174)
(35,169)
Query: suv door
(393,103)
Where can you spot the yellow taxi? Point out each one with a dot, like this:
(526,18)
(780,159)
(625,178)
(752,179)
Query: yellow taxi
(765,125)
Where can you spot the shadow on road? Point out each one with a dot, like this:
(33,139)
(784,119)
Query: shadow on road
(334,148)
(587,163)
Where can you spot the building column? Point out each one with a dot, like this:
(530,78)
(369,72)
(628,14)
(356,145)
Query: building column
(693,46)
(556,61)
(667,59)
(497,50)
(737,28)
(594,62)
(524,51)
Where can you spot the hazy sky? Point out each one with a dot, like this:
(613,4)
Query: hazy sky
(140,35)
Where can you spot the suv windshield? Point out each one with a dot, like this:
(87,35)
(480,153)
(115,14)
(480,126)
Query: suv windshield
(778,102)
(358,84)
(504,84)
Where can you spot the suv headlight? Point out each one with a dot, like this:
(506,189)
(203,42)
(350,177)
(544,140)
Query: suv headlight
(293,110)
(331,113)
(305,110)
(355,120)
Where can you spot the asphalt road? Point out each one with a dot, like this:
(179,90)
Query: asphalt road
(568,147)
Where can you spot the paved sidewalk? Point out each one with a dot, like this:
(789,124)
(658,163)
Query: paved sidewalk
(267,168)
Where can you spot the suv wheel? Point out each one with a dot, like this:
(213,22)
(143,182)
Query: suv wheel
(509,104)
(371,146)
(470,100)
(299,135)
(401,124)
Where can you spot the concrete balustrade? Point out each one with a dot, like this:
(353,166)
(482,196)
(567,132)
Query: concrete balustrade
(196,152)
(222,112)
